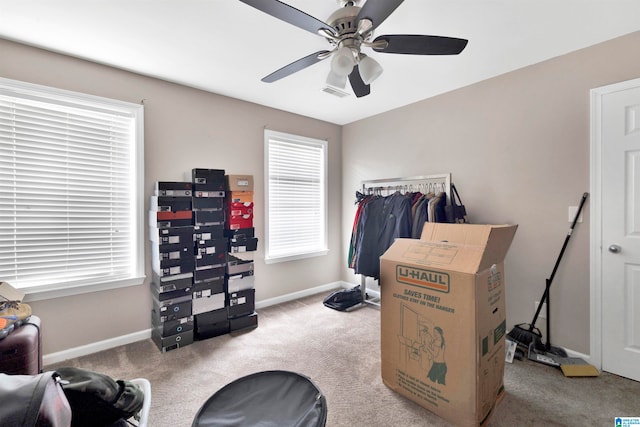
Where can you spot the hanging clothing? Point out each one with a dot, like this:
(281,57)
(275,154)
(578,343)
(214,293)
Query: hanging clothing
(379,220)
(421,215)
(437,205)
(382,220)
(361,200)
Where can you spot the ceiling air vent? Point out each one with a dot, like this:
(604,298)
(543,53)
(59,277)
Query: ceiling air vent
(335,92)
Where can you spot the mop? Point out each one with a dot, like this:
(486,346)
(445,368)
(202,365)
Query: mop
(528,337)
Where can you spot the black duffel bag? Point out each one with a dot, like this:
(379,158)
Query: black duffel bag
(97,400)
(343,299)
(33,401)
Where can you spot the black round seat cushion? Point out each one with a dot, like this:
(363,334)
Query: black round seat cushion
(265,399)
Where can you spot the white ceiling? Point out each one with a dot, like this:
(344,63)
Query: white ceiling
(226,47)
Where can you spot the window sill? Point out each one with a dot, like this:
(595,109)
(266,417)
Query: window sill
(274,260)
(41,293)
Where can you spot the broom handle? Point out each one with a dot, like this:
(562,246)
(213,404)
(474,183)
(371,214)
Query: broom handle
(545,296)
(548,345)
(566,240)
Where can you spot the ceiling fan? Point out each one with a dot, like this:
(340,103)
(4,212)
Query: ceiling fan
(349,29)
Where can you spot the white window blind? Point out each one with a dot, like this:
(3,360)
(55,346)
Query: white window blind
(296,206)
(70,174)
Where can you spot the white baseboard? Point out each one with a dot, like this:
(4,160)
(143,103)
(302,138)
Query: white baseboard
(301,294)
(95,347)
(571,353)
(373,294)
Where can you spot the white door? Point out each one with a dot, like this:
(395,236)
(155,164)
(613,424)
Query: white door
(619,247)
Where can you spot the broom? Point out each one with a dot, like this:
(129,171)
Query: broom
(524,334)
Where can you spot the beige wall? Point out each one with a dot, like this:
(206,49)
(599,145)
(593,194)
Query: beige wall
(518,149)
(184,129)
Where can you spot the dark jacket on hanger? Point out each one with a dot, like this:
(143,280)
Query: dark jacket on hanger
(381,221)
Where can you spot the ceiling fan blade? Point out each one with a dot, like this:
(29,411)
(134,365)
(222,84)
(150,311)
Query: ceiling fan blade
(359,87)
(296,66)
(289,14)
(421,45)
(377,11)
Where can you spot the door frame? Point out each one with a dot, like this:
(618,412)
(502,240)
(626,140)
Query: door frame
(595,226)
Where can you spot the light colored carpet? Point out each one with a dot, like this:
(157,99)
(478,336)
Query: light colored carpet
(339,351)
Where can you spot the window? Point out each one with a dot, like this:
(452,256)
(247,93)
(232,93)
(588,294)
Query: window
(71,173)
(296,196)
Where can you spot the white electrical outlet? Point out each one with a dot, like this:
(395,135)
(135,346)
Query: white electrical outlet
(543,312)
(572,213)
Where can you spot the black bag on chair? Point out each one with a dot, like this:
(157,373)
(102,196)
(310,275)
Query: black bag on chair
(33,401)
(456,212)
(97,400)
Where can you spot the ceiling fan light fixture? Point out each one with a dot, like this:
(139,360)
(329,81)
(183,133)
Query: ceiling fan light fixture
(343,61)
(336,80)
(347,30)
(369,69)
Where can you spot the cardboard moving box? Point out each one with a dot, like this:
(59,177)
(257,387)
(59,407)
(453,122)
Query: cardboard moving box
(443,319)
